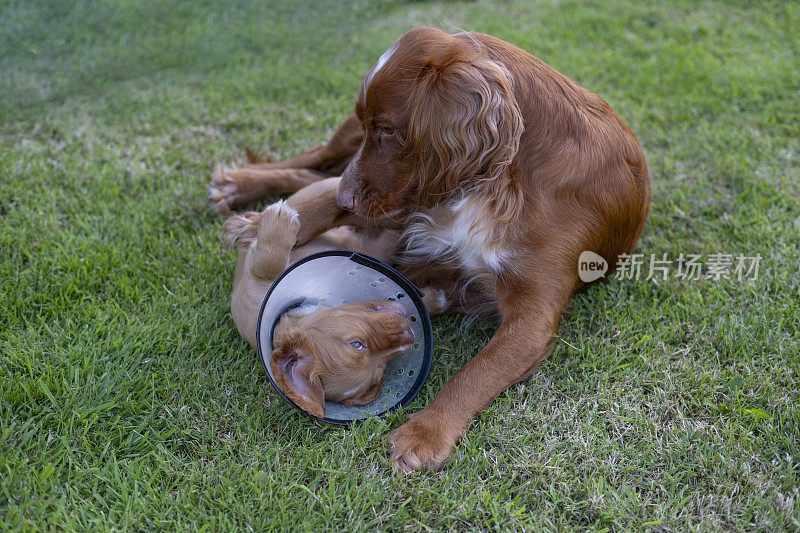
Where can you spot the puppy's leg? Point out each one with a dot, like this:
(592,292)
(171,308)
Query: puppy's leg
(264,241)
(234,188)
(316,210)
(435,300)
(276,234)
(265,238)
(314,205)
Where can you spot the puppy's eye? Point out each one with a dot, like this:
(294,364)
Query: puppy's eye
(357,345)
(387,130)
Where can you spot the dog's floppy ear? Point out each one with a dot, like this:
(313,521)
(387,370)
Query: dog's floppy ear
(293,370)
(465,124)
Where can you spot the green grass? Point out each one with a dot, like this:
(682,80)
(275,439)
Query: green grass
(128,401)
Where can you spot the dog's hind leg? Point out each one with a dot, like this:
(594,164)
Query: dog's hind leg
(239,187)
(330,158)
(234,188)
(435,300)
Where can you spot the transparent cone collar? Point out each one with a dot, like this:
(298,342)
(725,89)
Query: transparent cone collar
(337,277)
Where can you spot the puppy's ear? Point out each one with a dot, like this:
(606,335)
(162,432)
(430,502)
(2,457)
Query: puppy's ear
(293,370)
(465,125)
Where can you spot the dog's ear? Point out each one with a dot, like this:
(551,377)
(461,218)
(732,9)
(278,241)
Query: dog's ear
(465,124)
(293,370)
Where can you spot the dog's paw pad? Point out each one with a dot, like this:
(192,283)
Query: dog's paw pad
(223,192)
(418,445)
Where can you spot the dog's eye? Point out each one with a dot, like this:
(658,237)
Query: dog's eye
(388,130)
(357,345)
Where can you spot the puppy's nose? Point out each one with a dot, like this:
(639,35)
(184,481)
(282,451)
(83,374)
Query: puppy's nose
(407,335)
(345,199)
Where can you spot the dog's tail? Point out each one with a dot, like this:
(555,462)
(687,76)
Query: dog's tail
(240,229)
(253,157)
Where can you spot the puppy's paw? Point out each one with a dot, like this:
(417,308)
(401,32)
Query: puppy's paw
(278,225)
(276,235)
(422,443)
(435,300)
(240,229)
(223,195)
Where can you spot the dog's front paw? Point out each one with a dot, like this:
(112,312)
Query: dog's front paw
(422,443)
(223,195)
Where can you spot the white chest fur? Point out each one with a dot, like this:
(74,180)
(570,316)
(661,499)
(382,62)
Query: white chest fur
(460,233)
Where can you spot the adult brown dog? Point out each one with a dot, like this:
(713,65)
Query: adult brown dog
(500,171)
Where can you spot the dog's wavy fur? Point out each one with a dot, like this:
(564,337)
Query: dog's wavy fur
(464,131)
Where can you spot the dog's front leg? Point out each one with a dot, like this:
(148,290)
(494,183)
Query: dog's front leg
(523,339)
(316,206)
(311,210)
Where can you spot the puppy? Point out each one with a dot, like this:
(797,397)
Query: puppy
(329,353)
(337,353)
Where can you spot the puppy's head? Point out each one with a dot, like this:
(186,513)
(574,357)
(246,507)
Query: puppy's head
(337,353)
(438,115)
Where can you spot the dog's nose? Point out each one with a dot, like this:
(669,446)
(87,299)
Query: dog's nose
(345,199)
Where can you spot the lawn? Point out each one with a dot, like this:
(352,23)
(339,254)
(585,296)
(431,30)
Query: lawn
(128,401)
